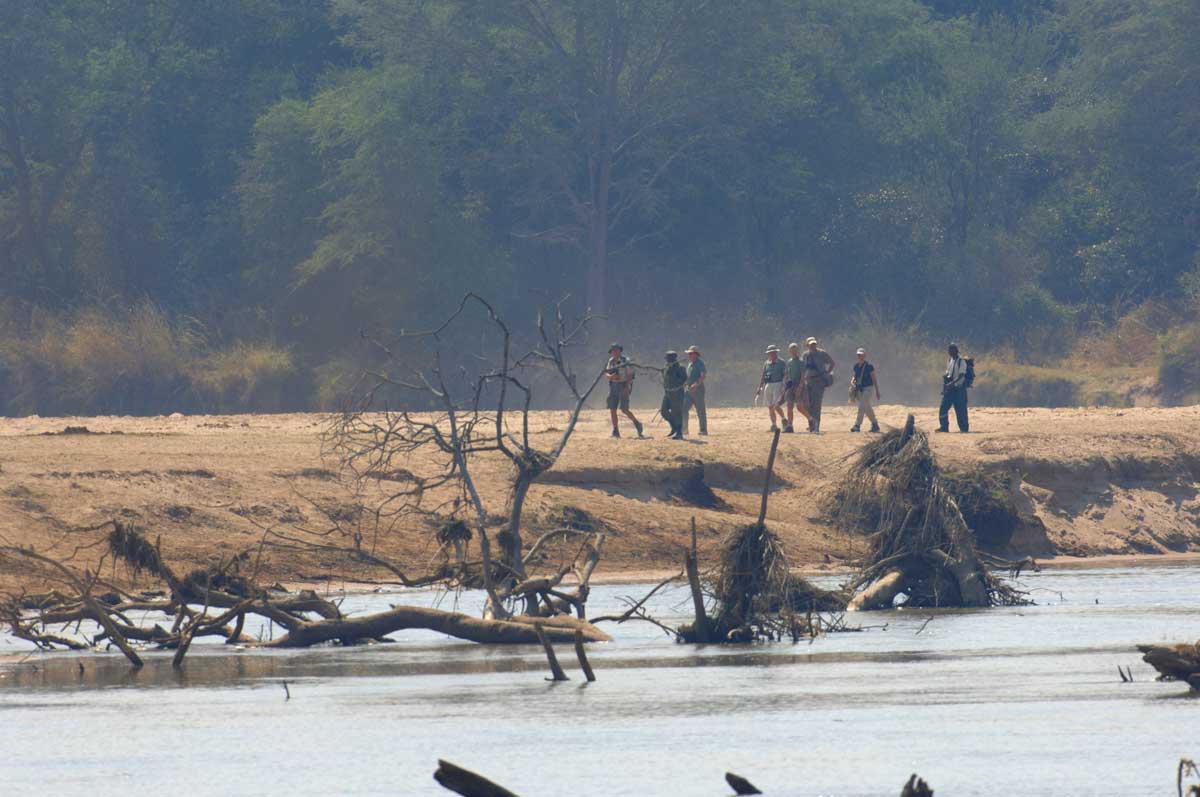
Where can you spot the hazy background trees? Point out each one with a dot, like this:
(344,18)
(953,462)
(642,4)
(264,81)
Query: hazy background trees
(273,176)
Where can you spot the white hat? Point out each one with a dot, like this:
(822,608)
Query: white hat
(810,341)
(861,350)
(772,348)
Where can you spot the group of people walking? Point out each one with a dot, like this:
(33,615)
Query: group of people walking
(795,385)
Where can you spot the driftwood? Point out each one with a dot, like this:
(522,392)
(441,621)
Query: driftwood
(306,618)
(467,783)
(919,544)
(740,785)
(556,670)
(1174,662)
(581,654)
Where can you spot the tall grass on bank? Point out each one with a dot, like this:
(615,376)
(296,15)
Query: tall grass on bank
(136,361)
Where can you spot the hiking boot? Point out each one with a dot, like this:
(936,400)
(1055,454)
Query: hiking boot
(855,429)
(704,433)
(638,425)
(774,428)
(939,429)
(616,432)
(788,429)
(677,436)
(873,429)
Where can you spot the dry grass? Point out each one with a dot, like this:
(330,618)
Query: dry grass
(134,360)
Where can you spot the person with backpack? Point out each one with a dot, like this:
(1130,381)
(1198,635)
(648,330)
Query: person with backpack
(818,375)
(959,376)
(619,373)
(862,384)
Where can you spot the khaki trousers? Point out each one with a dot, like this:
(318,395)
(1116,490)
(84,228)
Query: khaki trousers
(865,400)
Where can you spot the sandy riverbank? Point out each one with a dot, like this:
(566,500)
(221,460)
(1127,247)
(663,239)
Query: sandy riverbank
(1090,482)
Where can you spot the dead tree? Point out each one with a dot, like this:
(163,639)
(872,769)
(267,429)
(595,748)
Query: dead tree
(457,417)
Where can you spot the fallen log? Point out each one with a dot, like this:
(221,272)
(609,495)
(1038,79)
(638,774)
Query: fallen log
(467,783)
(515,631)
(1174,662)
(879,594)
(740,785)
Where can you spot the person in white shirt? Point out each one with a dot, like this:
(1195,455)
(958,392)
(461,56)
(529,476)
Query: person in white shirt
(954,392)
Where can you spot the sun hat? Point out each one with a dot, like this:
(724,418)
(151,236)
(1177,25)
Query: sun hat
(671,354)
(861,350)
(691,350)
(772,348)
(811,340)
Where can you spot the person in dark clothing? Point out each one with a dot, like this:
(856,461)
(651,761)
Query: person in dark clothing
(674,378)
(954,393)
(866,390)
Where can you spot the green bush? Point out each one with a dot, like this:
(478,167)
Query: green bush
(246,376)
(1179,363)
(137,361)
(1007,385)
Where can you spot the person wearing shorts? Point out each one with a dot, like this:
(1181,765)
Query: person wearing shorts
(770,387)
(619,373)
(792,391)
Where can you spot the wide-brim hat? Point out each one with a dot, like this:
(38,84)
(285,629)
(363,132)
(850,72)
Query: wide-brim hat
(772,348)
(691,350)
(811,341)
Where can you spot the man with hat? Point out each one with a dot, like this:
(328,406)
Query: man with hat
(864,382)
(620,386)
(693,390)
(674,378)
(818,375)
(770,387)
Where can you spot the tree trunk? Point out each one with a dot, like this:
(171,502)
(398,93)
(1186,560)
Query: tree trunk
(597,275)
(880,593)
(517,631)
(511,551)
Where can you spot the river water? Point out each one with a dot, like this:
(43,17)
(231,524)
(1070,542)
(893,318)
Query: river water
(1024,701)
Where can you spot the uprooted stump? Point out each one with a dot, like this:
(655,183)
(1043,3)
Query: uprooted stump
(1174,662)
(755,595)
(919,544)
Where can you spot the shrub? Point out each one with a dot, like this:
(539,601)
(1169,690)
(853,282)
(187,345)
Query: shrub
(1179,363)
(137,361)
(1008,385)
(259,376)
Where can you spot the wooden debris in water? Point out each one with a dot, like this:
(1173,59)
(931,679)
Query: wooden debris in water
(919,544)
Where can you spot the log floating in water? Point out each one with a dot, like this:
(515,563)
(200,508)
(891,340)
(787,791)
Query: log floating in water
(514,631)
(740,785)
(1174,662)
(467,783)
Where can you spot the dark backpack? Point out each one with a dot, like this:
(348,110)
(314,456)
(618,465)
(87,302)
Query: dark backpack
(969,378)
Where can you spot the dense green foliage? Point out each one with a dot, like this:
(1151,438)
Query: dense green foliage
(283,173)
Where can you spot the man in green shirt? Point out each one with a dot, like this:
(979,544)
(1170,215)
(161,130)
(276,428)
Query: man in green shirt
(793,375)
(818,375)
(674,378)
(693,392)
